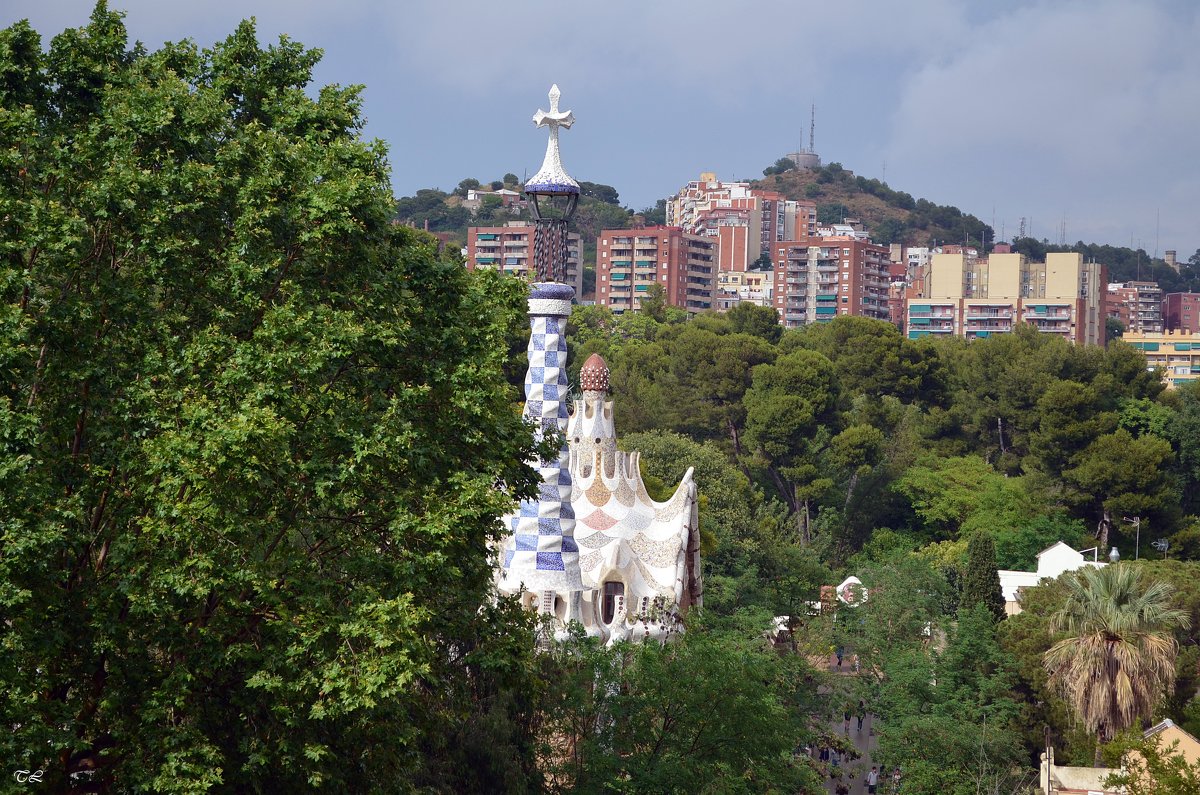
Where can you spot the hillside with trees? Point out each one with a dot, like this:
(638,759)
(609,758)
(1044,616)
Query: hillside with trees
(894,216)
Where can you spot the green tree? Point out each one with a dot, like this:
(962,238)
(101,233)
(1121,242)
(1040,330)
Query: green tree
(949,722)
(788,405)
(466,185)
(602,193)
(671,718)
(250,432)
(1183,431)
(981,582)
(781,165)
(761,321)
(1114,329)
(832,213)
(1118,475)
(1149,767)
(873,359)
(1118,655)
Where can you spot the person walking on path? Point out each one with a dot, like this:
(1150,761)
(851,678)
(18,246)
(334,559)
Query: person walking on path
(872,781)
(847,725)
(840,652)
(862,713)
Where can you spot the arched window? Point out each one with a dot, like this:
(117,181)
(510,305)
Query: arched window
(612,592)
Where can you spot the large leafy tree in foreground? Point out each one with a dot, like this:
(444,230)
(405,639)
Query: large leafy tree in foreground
(1118,656)
(249,433)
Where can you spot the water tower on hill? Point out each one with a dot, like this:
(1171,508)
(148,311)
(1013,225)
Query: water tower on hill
(808,158)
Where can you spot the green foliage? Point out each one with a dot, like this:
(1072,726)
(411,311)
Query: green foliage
(832,213)
(1117,653)
(250,434)
(781,165)
(716,711)
(981,582)
(760,321)
(1152,767)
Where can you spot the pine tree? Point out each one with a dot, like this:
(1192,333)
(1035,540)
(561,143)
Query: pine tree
(982,581)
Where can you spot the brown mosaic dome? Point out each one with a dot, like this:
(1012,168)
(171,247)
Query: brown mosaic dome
(593,376)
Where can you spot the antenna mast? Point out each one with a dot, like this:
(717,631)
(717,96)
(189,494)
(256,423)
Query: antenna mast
(812,129)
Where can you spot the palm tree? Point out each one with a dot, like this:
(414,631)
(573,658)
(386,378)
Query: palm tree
(1119,654)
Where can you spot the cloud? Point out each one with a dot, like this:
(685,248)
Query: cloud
(1063,107)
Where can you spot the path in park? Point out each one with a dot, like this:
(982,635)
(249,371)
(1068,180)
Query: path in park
(865,741)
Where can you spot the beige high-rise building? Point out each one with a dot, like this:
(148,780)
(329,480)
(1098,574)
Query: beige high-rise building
(975,297)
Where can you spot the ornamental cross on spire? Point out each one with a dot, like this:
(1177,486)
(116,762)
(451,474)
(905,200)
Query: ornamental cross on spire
(552,177)
(555,118)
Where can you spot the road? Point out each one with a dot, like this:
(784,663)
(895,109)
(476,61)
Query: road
(855,772)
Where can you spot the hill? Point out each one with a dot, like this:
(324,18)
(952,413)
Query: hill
(891,216)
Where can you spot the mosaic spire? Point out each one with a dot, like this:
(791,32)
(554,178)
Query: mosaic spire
(541,553)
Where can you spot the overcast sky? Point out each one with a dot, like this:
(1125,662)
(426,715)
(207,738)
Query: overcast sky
(1086,111)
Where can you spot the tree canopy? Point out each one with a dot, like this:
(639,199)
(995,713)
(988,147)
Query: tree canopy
(250,432)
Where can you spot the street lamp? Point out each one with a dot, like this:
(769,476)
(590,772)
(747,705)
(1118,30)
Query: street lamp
(553,194)
(1137,524)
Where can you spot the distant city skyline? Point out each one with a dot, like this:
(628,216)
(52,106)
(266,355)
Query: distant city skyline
(1086,112)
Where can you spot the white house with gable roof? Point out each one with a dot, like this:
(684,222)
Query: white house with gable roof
(1052,562)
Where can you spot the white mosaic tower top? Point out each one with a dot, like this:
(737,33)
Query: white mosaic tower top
(552,177)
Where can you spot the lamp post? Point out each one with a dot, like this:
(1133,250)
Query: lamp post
(554,194)
(1137,525)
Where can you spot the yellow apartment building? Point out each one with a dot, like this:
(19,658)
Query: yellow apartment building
(977,297)
(1176,353)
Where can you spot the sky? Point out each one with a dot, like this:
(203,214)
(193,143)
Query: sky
(1084,113)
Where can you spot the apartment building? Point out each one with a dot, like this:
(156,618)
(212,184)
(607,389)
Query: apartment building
(510,247)
(820,277)
(1181,312)
(973,297)
(735,287)
(1176,353)
(628,261)
(746,222)
(1138,305)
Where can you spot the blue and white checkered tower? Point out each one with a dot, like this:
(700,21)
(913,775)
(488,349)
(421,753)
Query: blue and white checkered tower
(541,554)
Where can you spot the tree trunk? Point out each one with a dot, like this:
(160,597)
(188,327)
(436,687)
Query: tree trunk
(736,438)
(1102,529)
(849,492)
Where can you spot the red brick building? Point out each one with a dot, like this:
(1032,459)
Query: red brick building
(1138,305)
(508,248)
(1181,312)
(628,261)
(817,278)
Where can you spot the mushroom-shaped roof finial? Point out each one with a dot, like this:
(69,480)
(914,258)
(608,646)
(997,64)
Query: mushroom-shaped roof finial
(593,376)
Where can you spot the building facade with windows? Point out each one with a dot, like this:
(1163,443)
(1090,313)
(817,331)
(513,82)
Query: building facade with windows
(1181,312)
(973,297)
(629,261)
(1175,353)
(1138,305)
(508,248)
(746,222)
(818,278)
